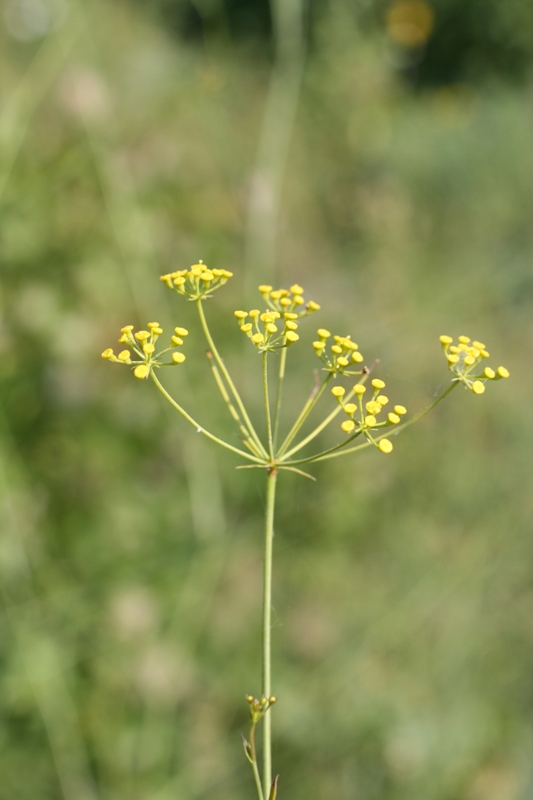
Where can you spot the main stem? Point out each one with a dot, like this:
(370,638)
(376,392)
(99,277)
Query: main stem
(267,627)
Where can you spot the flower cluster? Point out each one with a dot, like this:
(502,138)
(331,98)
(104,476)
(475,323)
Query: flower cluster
(362,417)
(463,360)
(342,354)
(143,345)
(268,335)
(258,707)
(288,301)
(198,282)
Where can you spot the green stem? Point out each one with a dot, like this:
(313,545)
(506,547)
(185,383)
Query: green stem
(314,433)
(304,413)
(248,441)
(267,406)
(281,376)
(199,428)
(267,626)
(227,377)
(255,768)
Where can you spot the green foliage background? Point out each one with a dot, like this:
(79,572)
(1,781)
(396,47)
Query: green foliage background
(130,559)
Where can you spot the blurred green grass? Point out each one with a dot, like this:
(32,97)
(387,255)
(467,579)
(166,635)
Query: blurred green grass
(130,559)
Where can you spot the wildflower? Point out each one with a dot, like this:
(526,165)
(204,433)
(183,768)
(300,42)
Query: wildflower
(465,357)
(198,282)
(270,330)
(343,354)
(290,303)
(143,354)
(368,418)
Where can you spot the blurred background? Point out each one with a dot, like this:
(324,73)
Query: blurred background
(380,154)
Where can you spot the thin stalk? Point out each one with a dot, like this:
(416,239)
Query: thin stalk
(255,768)
(199,428)
(267,626)
(267,406)
(279,390)
(304,413)
(224,371)
(248,441)
(314,433)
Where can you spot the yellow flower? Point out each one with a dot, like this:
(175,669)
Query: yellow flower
(478,387)
(338,391)
(370,421)
(378,384)
(348,425)
(108,353)
(400,410)
(385,446)
(142,371)
(359,388)
(178,358)
(503,372)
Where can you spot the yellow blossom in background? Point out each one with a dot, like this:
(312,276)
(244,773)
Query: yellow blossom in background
(198,282)
(465,360)
(143,354)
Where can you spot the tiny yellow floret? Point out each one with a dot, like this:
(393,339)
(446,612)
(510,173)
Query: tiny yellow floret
(446,339)
(479,345)
(359,388)
(108,353)
(142,371)
(382,400)
(257,338)
(291,336)
(452,359)
(478,387)
(489,373)
(264,289)
(357,357)
(319,345)
(254,313)
(178,358)
(124,356)
(312,306)
(342,361)
(350,408)
(464,339)
(378,384)
(338,391)
(401,410)
(296,289)
(153,324)
(271,328)
(177,341)
(323,333)
(393,418)
(370,420)
(348,425)
(291,326)
(181,331)
(385,446)
(141,335)
(148,348)
(126,329)
(246,327)
(373,407)
(503,372)
(240,314)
